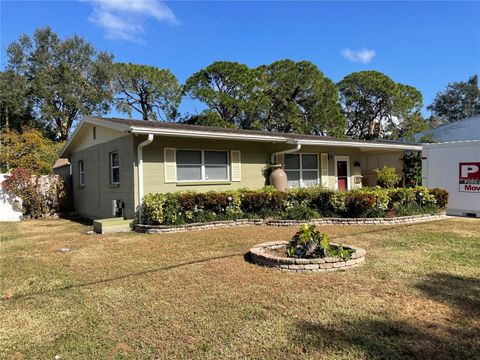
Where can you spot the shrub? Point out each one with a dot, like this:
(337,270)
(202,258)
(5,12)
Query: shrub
(310,243)
(412,169)
(295,204)
(441,197)
(39,197)
(387,177)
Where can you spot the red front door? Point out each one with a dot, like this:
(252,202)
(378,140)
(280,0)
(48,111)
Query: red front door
(342,175)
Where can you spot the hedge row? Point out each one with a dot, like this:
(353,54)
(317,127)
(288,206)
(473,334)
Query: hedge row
(296,204)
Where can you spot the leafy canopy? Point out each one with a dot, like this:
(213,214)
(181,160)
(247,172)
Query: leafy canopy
(300,99)
(29,150)
(458,101)
(375,106)
(284,96)
(153,92)
(66,79)
(230,90)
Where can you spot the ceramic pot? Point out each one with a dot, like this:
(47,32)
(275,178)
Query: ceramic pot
(278,178)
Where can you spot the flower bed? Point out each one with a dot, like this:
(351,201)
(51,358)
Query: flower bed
(296,204)
(264,254)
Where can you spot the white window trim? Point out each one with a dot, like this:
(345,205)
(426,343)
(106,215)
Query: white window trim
(302,185)
(342,158)
(203,180)
(81,173)
(114,167)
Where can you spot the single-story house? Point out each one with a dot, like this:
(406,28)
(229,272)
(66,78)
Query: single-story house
(117,161)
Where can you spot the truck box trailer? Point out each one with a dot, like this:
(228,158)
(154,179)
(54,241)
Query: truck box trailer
(455,167)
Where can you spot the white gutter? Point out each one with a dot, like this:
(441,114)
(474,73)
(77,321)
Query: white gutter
(140,174)
(207,134)
(360,144)
(289,151)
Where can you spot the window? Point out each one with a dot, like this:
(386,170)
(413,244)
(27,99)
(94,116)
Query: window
(114,168)
(202,165)
(301,169)
(81,174)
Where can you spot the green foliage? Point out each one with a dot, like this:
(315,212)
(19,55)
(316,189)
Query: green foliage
(66,79)
(458,101)
(230,90)
(285,96)
(301,99)
(296,204)
(153,92)
(16,107)
(29,150)
(412,169)
(39,198)
(375,106)
(310,243)
(387,177)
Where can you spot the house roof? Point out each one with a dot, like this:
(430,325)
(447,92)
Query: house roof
(462,130)
(209,132)
(61,163)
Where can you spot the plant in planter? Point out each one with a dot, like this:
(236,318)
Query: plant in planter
(310,243)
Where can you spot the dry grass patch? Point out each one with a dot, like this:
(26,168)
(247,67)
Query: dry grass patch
(193,295)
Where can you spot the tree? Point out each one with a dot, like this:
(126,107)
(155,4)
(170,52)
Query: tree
(458,101)
(229,89)
(375,106)
(285,96)
(66,79)
(29,150)
(300,99)
(153,92)
(16,109)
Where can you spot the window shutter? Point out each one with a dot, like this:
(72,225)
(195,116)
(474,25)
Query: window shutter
(236,165)
(324,166)
(170,165)
(279,159)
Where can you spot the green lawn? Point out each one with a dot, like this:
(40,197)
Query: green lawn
(192,295)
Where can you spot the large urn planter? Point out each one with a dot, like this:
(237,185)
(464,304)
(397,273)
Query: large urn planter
(278,178)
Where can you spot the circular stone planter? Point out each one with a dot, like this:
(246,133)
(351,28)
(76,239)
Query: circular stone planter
(260,255)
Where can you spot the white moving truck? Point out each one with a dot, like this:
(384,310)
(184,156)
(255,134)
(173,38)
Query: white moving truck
(455,167)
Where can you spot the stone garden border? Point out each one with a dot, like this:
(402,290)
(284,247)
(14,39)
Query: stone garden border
(152,229)
(259,255)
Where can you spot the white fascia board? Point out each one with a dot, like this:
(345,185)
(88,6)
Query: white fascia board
(364,145)
(207,134)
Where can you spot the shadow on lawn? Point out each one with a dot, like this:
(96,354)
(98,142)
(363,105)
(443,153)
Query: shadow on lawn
(460,292)
(386,339)
(394,339)
(120,277)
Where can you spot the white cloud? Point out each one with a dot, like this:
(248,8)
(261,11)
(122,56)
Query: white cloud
(125,19)
(362,56)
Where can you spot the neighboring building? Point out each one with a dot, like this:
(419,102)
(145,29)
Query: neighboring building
(463,130)
(121,160)
(455,167)
(62,168)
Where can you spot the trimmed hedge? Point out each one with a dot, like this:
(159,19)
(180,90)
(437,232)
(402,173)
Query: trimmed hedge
(295,204)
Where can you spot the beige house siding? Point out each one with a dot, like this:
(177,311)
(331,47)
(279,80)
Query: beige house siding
(254,156)
(379,160)
(94,200)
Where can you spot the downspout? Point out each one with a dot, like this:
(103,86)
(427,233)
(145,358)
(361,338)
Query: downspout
(140,174)
(289,151)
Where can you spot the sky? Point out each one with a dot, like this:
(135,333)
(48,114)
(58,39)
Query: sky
(423,44)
